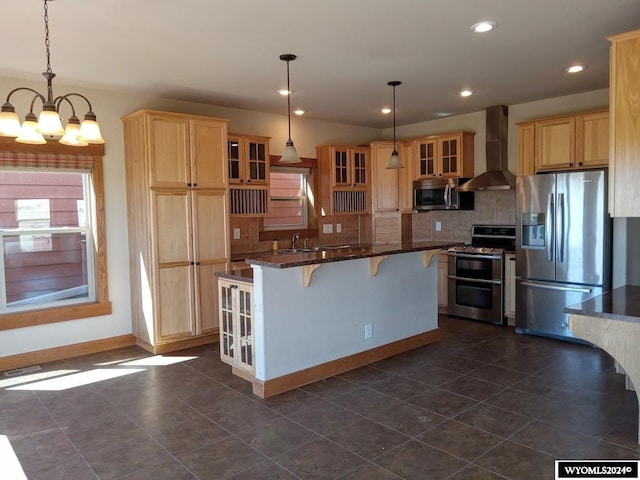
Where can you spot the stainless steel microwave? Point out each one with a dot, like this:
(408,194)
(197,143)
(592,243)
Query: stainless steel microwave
(441,194)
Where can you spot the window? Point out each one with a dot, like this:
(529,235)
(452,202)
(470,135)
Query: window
(288,209)
(53,265)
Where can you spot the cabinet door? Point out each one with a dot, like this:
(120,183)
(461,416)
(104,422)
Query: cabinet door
(555,148)
(592,140)
(211,247)
(385,181)
(174,299)
(406,176)
(387,228)
(340,167)
(244,328)
(450,152)
(227,323)
(526,150)
(427,154)
(257,152)
(208,162)
(234,156)
(359,167)
(168,151)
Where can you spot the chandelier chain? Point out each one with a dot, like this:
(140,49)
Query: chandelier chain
(46,35)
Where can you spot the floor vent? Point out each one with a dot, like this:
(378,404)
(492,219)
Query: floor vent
(22,371)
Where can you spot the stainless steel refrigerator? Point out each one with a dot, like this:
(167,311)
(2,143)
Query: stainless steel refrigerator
(563,247)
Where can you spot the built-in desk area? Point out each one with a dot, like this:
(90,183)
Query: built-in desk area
(612,322)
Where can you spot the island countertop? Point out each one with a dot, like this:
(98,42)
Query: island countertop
(621,303)
(288,260)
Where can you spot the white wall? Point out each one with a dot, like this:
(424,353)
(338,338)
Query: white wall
(110,106)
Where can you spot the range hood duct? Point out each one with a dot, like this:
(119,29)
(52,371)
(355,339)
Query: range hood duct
(497,176)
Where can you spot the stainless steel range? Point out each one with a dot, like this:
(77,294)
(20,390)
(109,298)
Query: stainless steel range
(476,273)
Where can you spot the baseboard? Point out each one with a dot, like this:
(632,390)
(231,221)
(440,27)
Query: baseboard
(67,351)
(293,380)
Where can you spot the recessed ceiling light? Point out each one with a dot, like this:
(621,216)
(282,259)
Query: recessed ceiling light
(482,27)
(299,111)
(575,68)
(385,110)
(465,93)
(284,92)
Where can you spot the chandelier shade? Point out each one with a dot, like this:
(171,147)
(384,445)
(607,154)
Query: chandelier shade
(48,123)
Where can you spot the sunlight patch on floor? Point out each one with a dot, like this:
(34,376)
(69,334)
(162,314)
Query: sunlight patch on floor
(78,379)
(158,360)
(11,468)
(10,382)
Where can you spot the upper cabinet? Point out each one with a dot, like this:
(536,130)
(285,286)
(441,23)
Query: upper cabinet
(185,151)
(447,156)
(344,178)
(564,142)
(386,186)
(624,102)
(248,159)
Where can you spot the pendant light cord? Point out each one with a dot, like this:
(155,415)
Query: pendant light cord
(394,118)
(288,101)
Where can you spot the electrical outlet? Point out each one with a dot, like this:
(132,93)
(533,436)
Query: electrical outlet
(327,228)
(368,331)
(338,227)
(236,234)
(438,226)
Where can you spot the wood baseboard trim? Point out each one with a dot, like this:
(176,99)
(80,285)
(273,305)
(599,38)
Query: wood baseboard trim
(179,344)
(68,351)
(313,374)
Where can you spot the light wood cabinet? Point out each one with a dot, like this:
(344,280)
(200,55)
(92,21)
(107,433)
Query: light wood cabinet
(566,142)
(385,190)
(443,282)
(236,326)
(178,226)
(624,92)
(406,175)
(248,157)
(448,156)
(344,179)
(510,287)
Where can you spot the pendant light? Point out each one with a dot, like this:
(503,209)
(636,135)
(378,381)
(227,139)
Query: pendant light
(48,122)
(289,154)
(394,161)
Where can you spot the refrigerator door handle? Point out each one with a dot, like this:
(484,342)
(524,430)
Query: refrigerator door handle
(549,230)
(553,287)
(560,227)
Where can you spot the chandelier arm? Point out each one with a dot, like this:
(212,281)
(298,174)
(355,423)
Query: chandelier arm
(72,94)
(38,94)
(59,100)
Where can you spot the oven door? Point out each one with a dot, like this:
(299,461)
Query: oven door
(475,284)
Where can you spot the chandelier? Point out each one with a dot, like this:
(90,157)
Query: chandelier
(33,129)
(289,154)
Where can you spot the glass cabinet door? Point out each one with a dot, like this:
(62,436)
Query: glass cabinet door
(427,159)
(257,161)
(359,169)
(449,148)
(341,167)
(233,154)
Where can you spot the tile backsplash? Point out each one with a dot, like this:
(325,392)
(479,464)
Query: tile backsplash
(493,207)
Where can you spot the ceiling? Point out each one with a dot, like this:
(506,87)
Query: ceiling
(227,52)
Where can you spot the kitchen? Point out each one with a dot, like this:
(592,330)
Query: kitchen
(112,107)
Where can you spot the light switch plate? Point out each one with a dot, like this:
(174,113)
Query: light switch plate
(438,226)
(236,234)
(338,227)
(327,228)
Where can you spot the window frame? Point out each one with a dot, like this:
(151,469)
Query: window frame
(101,305)
(306,173)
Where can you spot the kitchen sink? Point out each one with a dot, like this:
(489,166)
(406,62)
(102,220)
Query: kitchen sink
(296,250)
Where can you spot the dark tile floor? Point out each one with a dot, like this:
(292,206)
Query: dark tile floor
(483,403)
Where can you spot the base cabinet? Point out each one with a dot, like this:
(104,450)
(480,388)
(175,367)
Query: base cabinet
(443,289)
(236,326)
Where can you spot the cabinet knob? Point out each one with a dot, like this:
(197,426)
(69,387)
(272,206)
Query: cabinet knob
(241,180)
(188,184)
(580,163)
(249,181)
(571,164)
(197,263)
(234,286)
(191,263)
(195,184)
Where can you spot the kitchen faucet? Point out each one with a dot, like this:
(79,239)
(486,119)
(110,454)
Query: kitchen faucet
(304,242)
(296,236)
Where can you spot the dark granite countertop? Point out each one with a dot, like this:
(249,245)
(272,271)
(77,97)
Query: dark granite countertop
(289,260)
(621,303)
(243,275)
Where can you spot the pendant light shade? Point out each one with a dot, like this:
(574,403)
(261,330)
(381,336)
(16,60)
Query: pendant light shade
(394,161)
(289,154)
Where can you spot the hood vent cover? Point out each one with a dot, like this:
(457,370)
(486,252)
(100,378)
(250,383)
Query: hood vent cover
(497,176)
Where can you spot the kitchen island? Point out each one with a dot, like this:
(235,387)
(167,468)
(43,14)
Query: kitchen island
(318,314)
(612,322)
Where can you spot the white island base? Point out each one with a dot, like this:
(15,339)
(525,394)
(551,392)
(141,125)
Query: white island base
(310,321)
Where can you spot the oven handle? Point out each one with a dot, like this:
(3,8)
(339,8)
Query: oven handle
(476,280)
(552,287)
(475,255)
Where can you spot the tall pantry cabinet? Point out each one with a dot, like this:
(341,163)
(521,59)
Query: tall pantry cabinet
(178,226)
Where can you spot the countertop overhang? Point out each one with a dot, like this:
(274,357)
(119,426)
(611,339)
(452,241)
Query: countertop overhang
(622,303)
(289,260)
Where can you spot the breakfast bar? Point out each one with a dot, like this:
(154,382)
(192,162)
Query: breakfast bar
(321,313)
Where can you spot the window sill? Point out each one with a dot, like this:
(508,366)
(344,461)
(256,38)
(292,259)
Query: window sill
(52,315)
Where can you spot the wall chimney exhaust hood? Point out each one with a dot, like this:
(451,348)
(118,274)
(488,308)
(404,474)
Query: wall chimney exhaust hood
(497,176)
